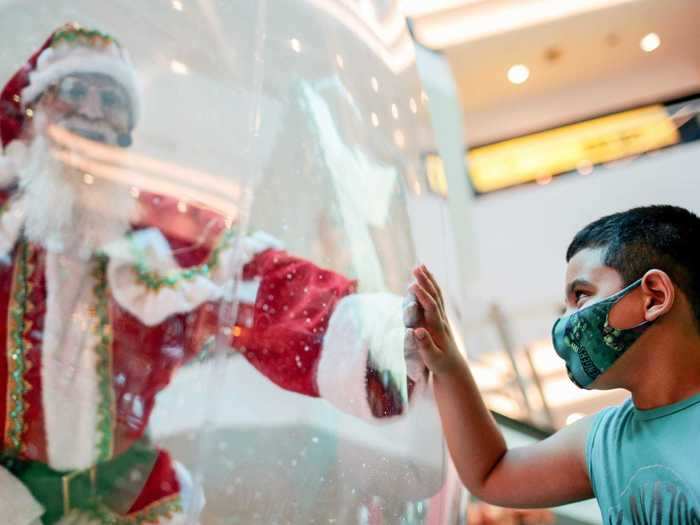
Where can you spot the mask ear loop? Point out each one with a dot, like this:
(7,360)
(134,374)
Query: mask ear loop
(609,330)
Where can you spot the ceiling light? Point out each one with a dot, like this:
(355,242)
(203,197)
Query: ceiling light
(177,5)
(178,67)
(650,42)
(296,45)
(518,74)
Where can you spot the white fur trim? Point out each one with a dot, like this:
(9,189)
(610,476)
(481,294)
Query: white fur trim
(192,495)
(11,221)
(17,505)
(241,252)
(56,63)
(8,171)
(362,327)
(70,393)
(154,306)
(11,161)
(247,291)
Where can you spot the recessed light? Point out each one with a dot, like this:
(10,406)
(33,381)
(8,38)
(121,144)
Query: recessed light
(518,74)
(178,67)
(650,42)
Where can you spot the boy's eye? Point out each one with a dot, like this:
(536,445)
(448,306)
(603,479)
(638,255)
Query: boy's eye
(579,295)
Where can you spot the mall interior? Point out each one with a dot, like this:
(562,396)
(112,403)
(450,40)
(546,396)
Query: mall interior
(210,215)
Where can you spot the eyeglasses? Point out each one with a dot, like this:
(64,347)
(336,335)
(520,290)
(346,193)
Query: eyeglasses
(75,91)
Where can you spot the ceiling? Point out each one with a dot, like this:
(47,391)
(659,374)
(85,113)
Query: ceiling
(584,57)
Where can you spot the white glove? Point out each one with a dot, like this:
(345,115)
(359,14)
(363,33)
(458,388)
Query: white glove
(412,316)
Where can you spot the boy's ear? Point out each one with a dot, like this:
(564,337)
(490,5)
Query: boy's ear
(659,294)
(654,297)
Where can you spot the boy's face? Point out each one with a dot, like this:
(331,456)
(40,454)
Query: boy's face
(588,281)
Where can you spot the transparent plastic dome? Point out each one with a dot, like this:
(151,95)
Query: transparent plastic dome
(207,231)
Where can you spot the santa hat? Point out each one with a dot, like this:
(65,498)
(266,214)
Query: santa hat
(70,49)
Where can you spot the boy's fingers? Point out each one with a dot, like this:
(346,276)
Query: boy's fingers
(426,283)
(433,281)
(426,346)
(430,285)
(430,307)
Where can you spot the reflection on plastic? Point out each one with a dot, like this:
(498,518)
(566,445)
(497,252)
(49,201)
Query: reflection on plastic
(163,365)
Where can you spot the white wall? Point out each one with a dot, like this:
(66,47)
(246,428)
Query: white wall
(522,233)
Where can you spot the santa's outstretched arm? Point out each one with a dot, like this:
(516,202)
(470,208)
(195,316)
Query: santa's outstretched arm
(307,330)
(303,327)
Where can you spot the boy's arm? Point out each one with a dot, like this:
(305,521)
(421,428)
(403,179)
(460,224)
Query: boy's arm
(552,472)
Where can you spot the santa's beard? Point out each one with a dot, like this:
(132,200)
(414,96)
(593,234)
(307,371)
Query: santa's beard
(67,210)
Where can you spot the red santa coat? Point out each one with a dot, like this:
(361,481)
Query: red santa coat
(88,345)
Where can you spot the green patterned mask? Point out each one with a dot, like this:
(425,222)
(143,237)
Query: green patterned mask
(588,344)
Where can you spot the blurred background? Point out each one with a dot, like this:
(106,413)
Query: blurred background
(570,111)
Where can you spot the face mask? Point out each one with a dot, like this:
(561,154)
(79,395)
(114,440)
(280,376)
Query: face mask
(588,344)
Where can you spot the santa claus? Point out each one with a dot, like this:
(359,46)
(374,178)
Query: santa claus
(103,300)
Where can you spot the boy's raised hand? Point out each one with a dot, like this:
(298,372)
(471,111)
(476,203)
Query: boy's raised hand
(431,332)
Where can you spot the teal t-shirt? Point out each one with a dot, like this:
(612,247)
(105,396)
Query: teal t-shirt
(644,465)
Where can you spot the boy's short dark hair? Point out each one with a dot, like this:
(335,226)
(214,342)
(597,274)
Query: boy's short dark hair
(637,240)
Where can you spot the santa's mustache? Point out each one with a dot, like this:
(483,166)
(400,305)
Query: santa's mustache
(95,130)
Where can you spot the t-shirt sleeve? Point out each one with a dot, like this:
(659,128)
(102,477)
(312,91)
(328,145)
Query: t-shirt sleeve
(594,442)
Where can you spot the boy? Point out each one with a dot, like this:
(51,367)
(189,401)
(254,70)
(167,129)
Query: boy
(632,321)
